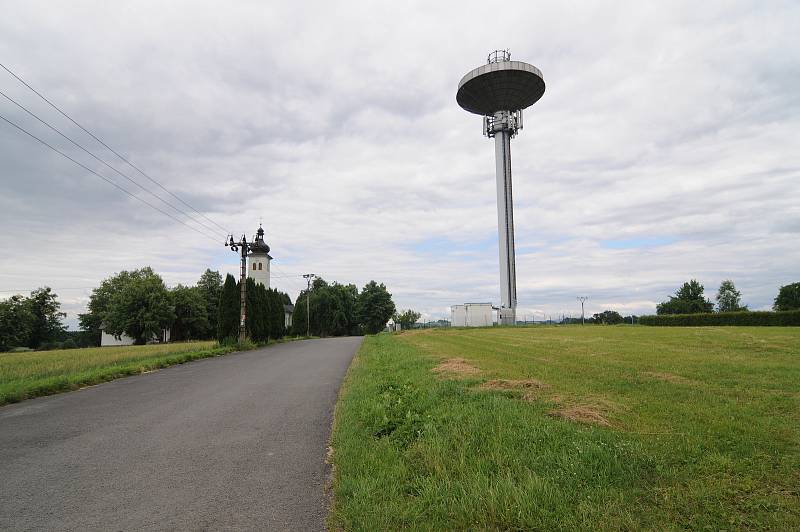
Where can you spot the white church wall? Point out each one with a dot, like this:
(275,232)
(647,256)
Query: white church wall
(258,268)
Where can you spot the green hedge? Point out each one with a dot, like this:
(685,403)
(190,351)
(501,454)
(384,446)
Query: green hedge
(779,319)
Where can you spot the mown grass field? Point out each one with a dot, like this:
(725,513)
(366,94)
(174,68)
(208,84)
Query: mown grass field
(25,375)
(571,428)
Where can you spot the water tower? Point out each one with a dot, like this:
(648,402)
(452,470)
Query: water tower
(499,91)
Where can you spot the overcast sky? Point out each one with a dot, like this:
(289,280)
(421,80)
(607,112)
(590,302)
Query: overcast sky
(666,147)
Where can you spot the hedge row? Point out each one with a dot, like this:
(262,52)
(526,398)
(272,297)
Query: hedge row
(779,319)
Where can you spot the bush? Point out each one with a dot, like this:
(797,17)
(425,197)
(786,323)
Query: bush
(775,319)
(20,350)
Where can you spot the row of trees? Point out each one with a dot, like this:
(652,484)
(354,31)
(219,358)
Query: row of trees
(689,299)
(265,311)
(340,309)
(137,303)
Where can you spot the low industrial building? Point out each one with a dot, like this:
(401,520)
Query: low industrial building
(472,315)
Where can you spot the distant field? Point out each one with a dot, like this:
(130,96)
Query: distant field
(24,375)
(571,427)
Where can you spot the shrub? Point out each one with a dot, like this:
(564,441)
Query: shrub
(69,343)
(779,319)
(20,350)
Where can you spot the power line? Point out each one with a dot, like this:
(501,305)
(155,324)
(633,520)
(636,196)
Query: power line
(165,213)
(34,115)
(112,150)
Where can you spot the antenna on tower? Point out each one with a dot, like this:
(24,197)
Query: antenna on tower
(499,91)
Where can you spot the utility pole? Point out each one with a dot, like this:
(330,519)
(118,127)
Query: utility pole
(308,277)
(244,247)
(582,299)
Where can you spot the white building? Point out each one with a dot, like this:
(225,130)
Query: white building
(107,339)
(258,260)
(472,315)
(288,310)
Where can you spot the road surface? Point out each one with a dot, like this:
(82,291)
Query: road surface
(229,443)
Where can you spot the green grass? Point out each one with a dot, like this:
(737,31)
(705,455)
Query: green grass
(26,375)
(703,430)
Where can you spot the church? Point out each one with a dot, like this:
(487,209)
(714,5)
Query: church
(258,261)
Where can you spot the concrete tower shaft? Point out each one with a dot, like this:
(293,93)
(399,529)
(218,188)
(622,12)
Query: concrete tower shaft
(505,227)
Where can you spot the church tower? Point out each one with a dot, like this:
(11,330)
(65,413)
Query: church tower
(258,260)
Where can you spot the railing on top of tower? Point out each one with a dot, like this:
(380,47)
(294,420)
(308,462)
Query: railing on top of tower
(499,56)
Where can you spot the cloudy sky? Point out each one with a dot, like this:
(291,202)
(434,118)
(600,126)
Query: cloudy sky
(666,147)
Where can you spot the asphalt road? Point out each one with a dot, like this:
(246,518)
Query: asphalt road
(230,443)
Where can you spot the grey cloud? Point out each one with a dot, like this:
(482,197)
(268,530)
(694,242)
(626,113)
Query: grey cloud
(337,124)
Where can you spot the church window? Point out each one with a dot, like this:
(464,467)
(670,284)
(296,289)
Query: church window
(254,265)
(259,265)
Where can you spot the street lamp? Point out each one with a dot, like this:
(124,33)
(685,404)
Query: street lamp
(308,277)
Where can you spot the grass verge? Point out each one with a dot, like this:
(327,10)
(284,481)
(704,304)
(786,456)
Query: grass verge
(571,428)
(27,375)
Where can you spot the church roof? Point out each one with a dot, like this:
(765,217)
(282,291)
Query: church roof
(259,246)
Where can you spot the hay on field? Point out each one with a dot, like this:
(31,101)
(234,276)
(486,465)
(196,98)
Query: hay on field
(666,377)
(456,366)
(582,414)
(529,387)
(505,384)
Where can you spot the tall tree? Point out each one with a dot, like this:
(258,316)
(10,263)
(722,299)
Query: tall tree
(141,308)
(729,298)
(788,297)
(228,311)
(46,325)
(100,302)
(210,286)
(191,318)
(16,321)
(135,303)
(374,307)
(277,315)
(333,309)
(258,311)
(688,299)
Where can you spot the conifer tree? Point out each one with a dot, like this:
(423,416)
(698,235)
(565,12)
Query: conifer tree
(228,320)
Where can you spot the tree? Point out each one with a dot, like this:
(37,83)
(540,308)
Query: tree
(788,297)
(16,320)
(374,307)
(228,311)
(141,309)
(210,287)
(687,300)
(100,301)
(46,325)
(333,309)
(406,319)
(608,317)
(191,318)
(277,314)
(260,312)
(729,298)
(135,303)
